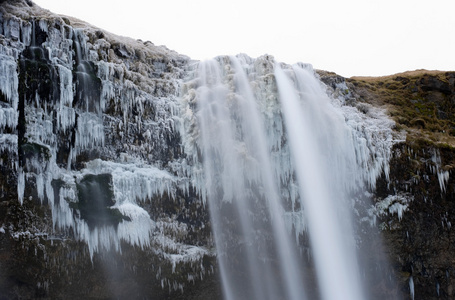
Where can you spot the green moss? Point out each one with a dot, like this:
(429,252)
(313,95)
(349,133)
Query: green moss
(419,143)
(446,146)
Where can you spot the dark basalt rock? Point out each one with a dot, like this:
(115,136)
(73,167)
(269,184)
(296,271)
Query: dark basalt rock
(96,197)
(421,242)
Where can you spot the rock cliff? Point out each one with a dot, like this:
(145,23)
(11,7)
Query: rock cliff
(420,241)
(64,86)
(86,114)
(413,206)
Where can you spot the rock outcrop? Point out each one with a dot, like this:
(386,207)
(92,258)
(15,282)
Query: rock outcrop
(420,240)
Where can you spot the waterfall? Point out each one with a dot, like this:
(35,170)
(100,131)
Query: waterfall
(242,192)
(319,141)
(273,155)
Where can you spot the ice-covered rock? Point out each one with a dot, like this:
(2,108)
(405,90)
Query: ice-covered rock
(73,100)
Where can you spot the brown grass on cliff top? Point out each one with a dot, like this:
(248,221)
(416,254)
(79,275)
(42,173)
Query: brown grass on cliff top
(414,101)
(412,74)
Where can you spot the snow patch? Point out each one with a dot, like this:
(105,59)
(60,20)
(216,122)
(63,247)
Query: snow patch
(392,204)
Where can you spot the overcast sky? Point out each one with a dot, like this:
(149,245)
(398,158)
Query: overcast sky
(351,37)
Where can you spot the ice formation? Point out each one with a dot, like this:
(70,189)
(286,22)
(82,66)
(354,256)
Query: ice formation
(392,204)
(443,175)
(65,118)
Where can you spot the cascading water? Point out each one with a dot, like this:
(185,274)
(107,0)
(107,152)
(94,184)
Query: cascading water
(241,189)
(276,156)
(325,162)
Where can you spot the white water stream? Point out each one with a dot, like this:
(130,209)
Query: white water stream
(242,191)
(278,155)
(324,158)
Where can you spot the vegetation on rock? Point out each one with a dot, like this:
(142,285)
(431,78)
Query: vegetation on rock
(421,102)
(421,169)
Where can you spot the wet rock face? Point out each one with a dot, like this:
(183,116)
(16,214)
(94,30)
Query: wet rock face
(414,205)
(417,223)
(95,199)
(421,242)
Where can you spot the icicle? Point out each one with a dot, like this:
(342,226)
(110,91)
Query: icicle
(8,142)
(8,118)
(105,71)
(43,25)
(66,86)
(26,33)
(20,185)
(132,182)
(90,132)
(392,204)
(40,186)
(443,176)
(9,81)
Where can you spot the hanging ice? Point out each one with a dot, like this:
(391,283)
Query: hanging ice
(8,89)
(443,175)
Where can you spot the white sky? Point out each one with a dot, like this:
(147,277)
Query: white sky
(351,37)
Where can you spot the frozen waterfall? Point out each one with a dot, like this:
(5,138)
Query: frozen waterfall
(273,155)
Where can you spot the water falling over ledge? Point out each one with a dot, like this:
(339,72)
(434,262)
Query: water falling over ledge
(324,158)
(275,155)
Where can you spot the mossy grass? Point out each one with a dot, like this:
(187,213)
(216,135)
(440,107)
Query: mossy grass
(421,103)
